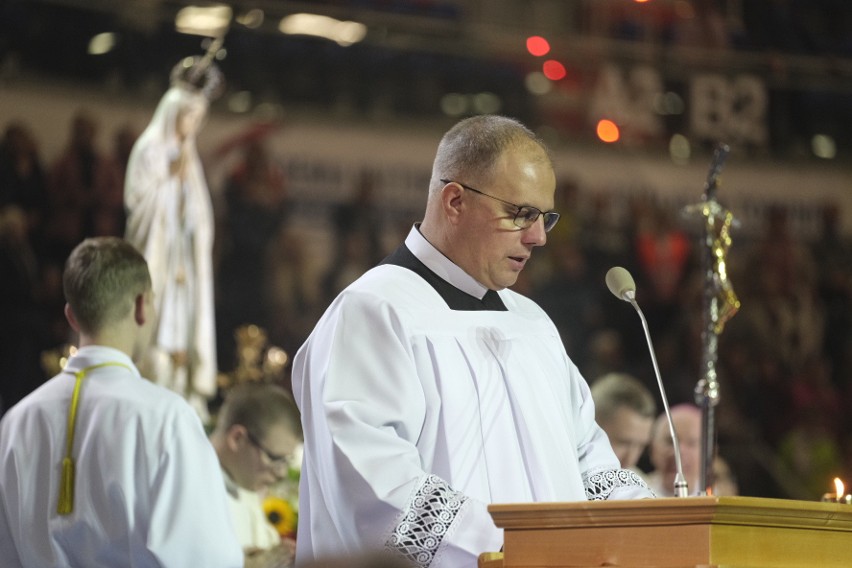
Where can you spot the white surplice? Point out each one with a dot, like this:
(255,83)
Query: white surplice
(254,531)
(170,220)
(417,416)
(148,490)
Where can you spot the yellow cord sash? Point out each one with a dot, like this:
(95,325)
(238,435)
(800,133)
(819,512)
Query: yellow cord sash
(66,483)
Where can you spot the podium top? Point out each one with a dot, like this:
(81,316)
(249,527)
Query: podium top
(714,510)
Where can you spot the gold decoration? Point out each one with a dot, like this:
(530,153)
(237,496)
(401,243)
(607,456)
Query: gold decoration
(718,222)
(729,304)
(256,360)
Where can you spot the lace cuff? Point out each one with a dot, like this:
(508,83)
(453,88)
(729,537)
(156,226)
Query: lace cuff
(425,521)
(600,483)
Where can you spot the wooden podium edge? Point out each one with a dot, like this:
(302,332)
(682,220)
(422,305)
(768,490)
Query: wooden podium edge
(698,531)
(751,511)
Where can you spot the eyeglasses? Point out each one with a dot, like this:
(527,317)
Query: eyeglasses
(525,215)
(275,460)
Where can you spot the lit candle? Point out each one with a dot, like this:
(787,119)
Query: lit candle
(839,495)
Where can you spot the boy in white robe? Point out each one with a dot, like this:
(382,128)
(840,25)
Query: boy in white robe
(428,390)
(99,467)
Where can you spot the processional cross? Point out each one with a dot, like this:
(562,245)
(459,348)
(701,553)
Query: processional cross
(720,303)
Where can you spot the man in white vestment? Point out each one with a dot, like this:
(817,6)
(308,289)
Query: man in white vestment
(99,467)
(428,390)
(256,437)
(170,220)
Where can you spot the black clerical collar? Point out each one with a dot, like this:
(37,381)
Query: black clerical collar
(455,298)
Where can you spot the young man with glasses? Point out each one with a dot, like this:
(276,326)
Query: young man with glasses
(256,436)
(429,390)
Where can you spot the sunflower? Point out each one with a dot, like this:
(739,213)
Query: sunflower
(281,514)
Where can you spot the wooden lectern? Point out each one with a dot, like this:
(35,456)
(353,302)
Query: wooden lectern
(730,532)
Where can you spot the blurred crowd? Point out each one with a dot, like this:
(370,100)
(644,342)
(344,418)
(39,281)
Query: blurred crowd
(784,361)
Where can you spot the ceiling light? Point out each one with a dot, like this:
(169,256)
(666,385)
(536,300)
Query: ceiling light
(343,32)
(823,146)
(102,43)
(205,21)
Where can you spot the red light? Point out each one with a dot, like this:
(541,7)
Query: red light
(553,70)
(608,131)
(537,46)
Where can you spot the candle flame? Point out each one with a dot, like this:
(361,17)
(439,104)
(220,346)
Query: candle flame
(839,486)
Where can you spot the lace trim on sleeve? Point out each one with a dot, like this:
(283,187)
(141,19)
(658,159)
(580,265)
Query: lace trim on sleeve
(425,521)
(600,483)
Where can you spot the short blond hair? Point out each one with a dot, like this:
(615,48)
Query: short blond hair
(102,278)
(615,390)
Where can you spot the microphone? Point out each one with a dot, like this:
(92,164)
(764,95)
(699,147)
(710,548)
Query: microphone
(621,284)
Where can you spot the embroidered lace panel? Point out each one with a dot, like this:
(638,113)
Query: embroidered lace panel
(425,522)
(600,483)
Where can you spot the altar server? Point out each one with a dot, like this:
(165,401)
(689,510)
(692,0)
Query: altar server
(429,390)
(100,467)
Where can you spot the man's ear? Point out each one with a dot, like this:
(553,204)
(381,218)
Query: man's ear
(140,309)
(234,436)
(451,202)
(72,319)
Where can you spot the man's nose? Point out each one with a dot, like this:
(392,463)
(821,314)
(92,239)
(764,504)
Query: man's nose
(535,234)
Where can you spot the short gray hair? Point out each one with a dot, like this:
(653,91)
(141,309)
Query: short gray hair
(469,149)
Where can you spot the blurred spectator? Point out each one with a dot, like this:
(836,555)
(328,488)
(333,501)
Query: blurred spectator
(23,333)
(833,255)
(605,354)
(22,178)
(296,298)
(687,425)
(29,276)
(605,236)
(625,410)
(571,298)
(109,217)
(256,206)
(357,229)
(783,314)
(81,178)
(663,253)
(606,241)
